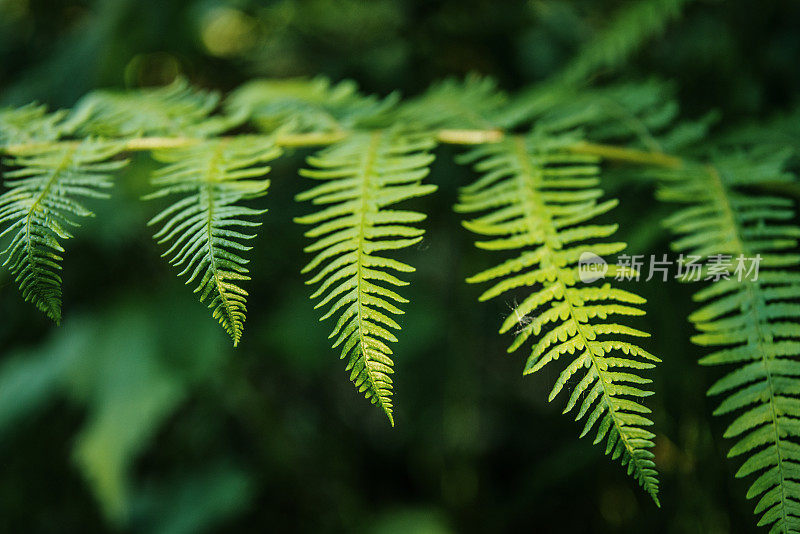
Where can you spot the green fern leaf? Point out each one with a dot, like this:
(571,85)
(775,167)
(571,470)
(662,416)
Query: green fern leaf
(173,110)
(45,190)
(632,26)
(31,123)
(636,115)
(537,197)
(204,228)
(299,106)
(753,324)
(474,103)
(364,175)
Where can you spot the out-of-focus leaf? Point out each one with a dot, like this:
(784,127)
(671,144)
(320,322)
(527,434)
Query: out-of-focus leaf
(129,369)
(411,520)
(132,394)
(28,379)
(194,503)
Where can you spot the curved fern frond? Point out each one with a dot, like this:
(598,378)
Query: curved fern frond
(753,323)
(475,102)
(364,175)
(633,114)
(779,130)
(44,199)
(298,105)
(632,26)
(175,109)
(206,228)
(30,123)
(538,198)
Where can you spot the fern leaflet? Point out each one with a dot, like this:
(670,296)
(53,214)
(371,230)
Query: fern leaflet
(175,109)
(752,323)
(632,27)
(363,175)
(537,197)
(43,200)
(204,228)
(474,103)
(30,123)
(297,106)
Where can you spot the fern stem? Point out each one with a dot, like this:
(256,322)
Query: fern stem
(367,169)
(161,143)
(235,329)
(469,137)
(446,136)
(658,159)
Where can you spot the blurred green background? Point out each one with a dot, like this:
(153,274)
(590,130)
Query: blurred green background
(136,415)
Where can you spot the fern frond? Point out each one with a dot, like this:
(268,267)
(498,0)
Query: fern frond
(537,198)
(639,115)
(364,175)
(475,102)
(206,228)
(635,114)
(632,26)
(299,105)
(781,129)
(46,187)
(753,324)
(30,123)
(176,109)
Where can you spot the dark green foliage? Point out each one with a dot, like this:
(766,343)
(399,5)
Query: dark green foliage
(634,25)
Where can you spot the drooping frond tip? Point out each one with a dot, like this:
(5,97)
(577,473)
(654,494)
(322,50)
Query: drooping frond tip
(536,198)
(362,176)
(205,227)
(46,189)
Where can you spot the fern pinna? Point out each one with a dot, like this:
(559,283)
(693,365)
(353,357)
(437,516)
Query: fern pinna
(364,175)
(749,315)
(175,109)
(46,189)
(30,123)
(205,226)
(537,197)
